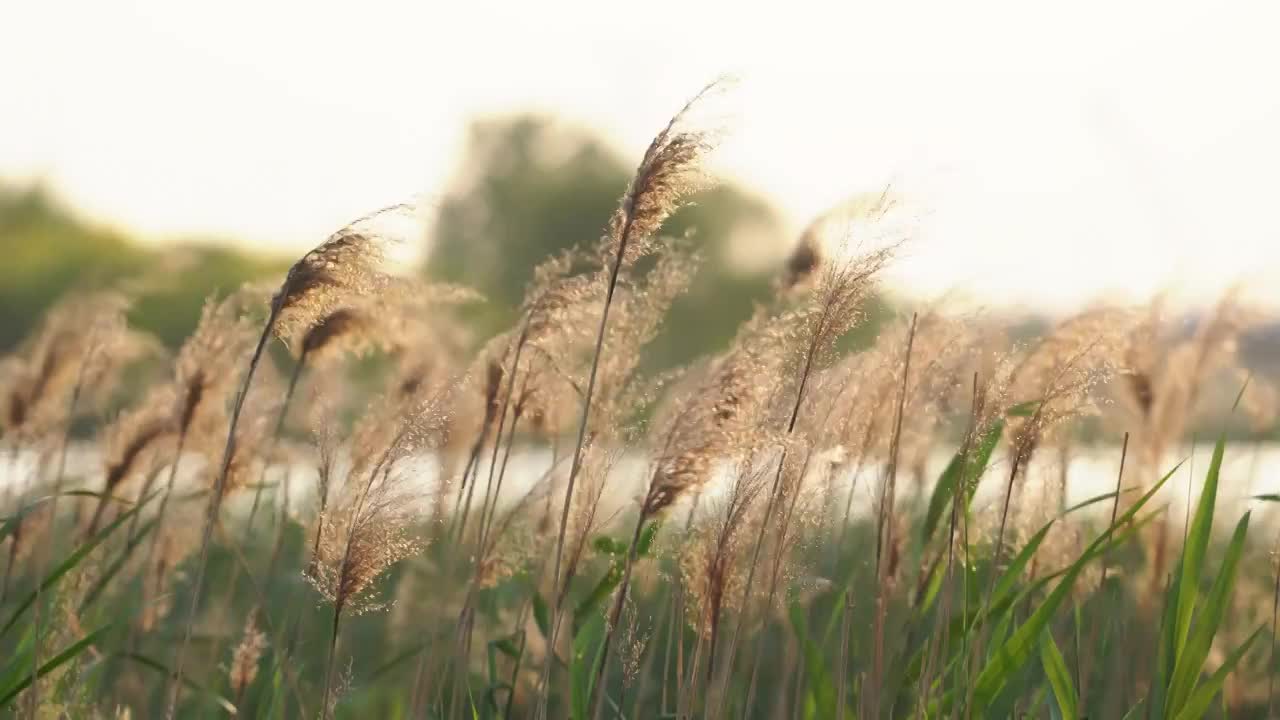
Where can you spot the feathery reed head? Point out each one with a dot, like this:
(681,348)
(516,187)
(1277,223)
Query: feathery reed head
(719,420)
(1060,374)
(361,539)
(347,265)
(668,173)
(209,362)
(143,432)
(82,340)
(245,657)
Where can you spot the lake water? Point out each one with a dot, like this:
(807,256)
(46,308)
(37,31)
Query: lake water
(1249,469)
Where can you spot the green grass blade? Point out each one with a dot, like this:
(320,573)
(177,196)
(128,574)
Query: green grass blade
(1007,582)
(1014,653)
(116,565)
(397,660)
(1055,669)
(1164,651)
(644,546)
(541,614)
(821,690)
(165,671)
(945,487)
(1009,579)
(607,545)
(71,561)
(1199,701)
(598,594)
(1190,662)
(1135,711)
(12,522)
(1194,551)
(70,652)
(587,645)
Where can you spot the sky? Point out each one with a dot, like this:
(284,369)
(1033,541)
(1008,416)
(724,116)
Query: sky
(1055,157)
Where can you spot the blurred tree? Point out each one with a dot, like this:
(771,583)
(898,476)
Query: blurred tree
(47,252)
(530,186)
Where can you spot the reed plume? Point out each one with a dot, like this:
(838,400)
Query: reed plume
(712,558)
(245,659)
(667,174)
(367,532)
(85,342)
(717,421)
(830,305)
(348,264)
(1056,381)
(78,345)
(135,443)
(1164,378)
(194,401)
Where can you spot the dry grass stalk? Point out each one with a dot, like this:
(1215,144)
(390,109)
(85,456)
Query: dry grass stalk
(1165,377)
(1059,377)
(831,307)
(195,402)
(668,173)
(349,264)
(367,532)
(90,342)
(716,422)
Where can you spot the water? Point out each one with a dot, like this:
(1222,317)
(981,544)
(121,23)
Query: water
(1249,469)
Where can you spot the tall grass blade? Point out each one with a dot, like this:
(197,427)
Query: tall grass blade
(1198,703)
(1194,551)
(70,562)
(944,490)
(1014,653)
(1196,650)
(1055,669)
(53,663)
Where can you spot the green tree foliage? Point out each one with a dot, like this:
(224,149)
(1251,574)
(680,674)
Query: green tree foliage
(47,252)
(530,186)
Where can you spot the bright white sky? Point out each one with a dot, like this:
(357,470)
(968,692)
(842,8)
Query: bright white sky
(1101,149)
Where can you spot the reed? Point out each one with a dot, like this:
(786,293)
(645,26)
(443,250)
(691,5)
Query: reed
(834,514)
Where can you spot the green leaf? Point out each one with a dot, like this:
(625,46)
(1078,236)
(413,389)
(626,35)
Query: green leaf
(1005,586)
(587,645)
(1200,699)
(165,671)
(1190,662)
(118,564)
(598,594)
(12,522)
(645,545)
(1134,711)
(70,562)
(606,545)
(1009,578)
(944,489)
(507,646)
(1023,409)
(1014,653)
(70,652)
(541,614)
(936,574)
(1194,550)
(823,693)
(395,661)
(1164,650)
(1055,669)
